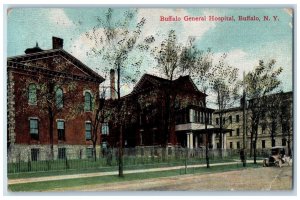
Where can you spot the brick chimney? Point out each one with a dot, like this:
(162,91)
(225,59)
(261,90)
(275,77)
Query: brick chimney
(57,43)
(112,84)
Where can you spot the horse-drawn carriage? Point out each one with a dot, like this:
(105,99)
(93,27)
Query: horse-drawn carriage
(277,157)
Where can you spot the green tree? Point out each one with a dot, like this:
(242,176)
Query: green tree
(260,82)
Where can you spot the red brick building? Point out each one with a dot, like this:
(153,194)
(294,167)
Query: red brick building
(160,112)
(50,91)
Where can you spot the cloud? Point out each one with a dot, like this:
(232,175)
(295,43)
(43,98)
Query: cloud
(238,58)
(59,17)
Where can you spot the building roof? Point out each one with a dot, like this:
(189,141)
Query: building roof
(33,55)
(240,108)
(149,80)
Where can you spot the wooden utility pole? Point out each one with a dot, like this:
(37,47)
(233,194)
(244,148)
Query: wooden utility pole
(120,127)
(244,123)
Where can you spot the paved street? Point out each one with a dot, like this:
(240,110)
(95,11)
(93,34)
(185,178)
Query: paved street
(253,179)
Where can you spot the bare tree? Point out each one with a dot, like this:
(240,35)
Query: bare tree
(98,118)
(225,86)
(260,82)
(174,60)
(114,46)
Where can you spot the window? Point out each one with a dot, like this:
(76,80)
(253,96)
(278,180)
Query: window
(238,145)
(283,142)
(230,133)
(263,128)
(230,145)
(192,112)
(196,116)
(87,101)
(217,121)
(263,144)
(35,154)
(237,118)
(88,131)
(105,129)
(202,118)
(237,132)
(32,97)
(89,152)
(34,128)
(61,129)
(62,153)
(59,98)
(230,119)
(210,119)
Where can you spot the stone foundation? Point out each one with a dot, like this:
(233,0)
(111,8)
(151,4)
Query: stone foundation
(20,152)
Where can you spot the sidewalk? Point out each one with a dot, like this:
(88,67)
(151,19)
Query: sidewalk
(87,175)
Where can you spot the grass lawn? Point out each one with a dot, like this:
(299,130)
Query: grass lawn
(111,168)
(50,185)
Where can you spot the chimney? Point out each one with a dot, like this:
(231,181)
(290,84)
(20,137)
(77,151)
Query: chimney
(112,84)
(57,43)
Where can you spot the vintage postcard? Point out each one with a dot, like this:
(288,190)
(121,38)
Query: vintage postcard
(150,99)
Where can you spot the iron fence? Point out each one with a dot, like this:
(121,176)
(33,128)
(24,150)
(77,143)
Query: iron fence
(140,157)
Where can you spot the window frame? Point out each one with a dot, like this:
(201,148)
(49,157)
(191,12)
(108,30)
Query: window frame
(230,119)
(105,128)
(88,106)
(61,153)
(61,135)
(238,145)
(237,131)
(35,154)
(90,131)
(59,102)
(32,101)
(263,144)
(237,118)
(32,134)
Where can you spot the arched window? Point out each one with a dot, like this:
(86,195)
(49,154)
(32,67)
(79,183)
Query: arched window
(32,98)
(87,101)
(59,98)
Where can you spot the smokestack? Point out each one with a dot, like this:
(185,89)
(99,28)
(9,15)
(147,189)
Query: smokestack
(112,84)
(57,43)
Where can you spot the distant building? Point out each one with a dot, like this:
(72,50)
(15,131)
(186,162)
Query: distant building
(277,114)
(47,76)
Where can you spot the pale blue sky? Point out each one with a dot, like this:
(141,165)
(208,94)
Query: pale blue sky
(244,42)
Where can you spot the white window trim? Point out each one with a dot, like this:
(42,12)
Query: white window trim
(92,97)
(30,118)
(89,91)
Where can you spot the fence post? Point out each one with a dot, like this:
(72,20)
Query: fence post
(29,165)
(186,158)
(67,164)
(19,164)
